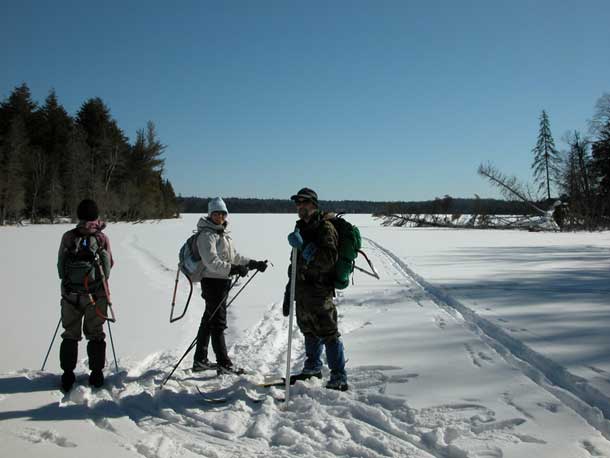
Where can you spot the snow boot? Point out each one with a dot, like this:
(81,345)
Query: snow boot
(229,369)
(67,380)
(205,365)
(96,379)
(68,353)
(337,385)
(96,349)
(304,376)
(336,363)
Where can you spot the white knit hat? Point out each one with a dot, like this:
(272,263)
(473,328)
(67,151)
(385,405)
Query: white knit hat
(217,205)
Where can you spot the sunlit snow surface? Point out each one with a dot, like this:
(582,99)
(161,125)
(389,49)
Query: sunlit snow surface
(473,344)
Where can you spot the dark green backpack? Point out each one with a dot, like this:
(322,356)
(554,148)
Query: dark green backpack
(349,246)
(80,263)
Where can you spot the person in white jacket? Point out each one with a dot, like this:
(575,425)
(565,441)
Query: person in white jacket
(220,262)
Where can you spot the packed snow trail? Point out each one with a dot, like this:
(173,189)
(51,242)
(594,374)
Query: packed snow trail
(422,384)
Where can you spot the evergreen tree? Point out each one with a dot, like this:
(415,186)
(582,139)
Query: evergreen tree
(145,166)
(18,104)
(107,146)
(12,193)
(56,131)
(75,171)
(546,157)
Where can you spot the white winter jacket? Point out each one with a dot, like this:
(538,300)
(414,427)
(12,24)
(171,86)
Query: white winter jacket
(216,249)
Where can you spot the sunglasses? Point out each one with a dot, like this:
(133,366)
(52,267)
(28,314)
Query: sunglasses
(301,201)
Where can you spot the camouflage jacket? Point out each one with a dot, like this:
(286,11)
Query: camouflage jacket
(317,275)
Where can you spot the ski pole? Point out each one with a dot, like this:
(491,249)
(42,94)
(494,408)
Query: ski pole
(293,279)
(116,365)
(49,350)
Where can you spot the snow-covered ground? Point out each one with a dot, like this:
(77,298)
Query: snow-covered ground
(473,344)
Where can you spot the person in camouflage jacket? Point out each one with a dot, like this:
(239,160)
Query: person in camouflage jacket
(316,240)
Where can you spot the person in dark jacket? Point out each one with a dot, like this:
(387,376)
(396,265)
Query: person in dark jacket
(83,296)
(220,261)
(316,240)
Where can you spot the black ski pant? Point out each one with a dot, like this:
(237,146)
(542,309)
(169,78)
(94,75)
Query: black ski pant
(214,321)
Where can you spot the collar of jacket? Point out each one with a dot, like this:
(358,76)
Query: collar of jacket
(206,224)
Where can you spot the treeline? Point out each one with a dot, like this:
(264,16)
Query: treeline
(50,160)
(444,205)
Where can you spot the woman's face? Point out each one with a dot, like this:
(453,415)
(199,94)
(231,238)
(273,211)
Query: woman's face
(218,217)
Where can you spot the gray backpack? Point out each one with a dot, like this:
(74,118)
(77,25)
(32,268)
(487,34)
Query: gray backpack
(190,263)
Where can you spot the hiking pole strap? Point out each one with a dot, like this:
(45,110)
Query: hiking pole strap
(293,280)
(52,341)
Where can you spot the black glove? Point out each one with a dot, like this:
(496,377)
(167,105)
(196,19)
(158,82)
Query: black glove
(257,265)
(236,269)
(286,305)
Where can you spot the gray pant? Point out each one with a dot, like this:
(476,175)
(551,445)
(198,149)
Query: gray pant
(78,316)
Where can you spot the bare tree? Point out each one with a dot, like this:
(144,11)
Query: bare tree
(601,117)
(55,193)
(509,186)
(578,182)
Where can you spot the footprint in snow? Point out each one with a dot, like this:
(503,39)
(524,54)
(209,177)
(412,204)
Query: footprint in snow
(37,436)
(552,407)
(590,448)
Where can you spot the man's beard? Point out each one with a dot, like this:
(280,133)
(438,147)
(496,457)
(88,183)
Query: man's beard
(304,213)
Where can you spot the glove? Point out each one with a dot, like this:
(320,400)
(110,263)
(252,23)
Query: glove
(236,269)
(257,265)
(309,252)
(286,305)
(295,239)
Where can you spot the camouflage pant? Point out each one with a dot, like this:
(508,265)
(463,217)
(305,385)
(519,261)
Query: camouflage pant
(317,315)
(78,316)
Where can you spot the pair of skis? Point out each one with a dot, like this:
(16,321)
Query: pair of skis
(211,399)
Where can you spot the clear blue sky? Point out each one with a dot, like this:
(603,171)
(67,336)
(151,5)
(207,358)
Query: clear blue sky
(376,100)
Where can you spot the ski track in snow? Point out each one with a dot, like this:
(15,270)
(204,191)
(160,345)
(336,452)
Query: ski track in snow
(363,422)
(573,391)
